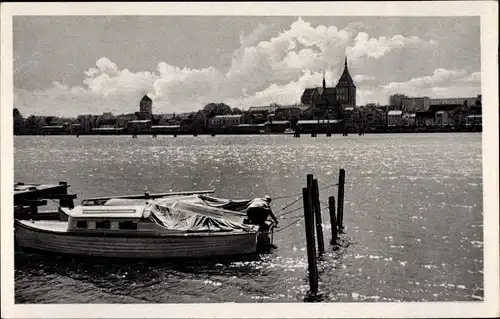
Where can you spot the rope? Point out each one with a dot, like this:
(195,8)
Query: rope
(54,201)
(291,211)
(285,207)
(300,194)
(288,196)
(331,185)
(296,216)
(289,225)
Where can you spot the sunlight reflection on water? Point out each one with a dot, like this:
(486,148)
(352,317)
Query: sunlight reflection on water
(413,216)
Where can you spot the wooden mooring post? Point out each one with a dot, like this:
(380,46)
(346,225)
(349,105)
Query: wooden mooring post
(311,247)
(340,200)
(333,219)
(318,218)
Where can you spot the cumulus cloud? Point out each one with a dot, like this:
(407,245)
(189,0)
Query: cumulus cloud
(361,78)
(277,69)
(441,83)
(376,48)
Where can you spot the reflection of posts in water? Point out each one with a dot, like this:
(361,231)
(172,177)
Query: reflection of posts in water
(317,217)
(311,247)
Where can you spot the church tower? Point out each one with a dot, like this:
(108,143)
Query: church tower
(345,89)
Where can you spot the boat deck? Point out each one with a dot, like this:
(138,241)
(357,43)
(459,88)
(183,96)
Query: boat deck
(48,225)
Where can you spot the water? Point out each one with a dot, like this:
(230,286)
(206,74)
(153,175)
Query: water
(413,216)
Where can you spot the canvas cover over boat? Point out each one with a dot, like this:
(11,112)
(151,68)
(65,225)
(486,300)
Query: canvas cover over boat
(194,213)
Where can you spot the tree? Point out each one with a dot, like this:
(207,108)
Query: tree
(237,111)
(18,122)
(397,99)
(213,109)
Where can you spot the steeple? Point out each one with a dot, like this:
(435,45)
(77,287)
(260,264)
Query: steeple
(324,81)
(346,89)
(345,78)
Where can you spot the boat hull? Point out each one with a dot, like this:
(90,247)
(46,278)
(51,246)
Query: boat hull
(156,247)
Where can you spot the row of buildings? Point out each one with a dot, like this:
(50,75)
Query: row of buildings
(321,108)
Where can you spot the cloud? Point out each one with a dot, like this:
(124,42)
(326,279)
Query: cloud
(442,83)
(361,78)
(277,69)
(376,48)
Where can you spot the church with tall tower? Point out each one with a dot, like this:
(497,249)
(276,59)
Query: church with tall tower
(346,89)
(324,101)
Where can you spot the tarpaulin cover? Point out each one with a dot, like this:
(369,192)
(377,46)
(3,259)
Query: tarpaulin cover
(195,213)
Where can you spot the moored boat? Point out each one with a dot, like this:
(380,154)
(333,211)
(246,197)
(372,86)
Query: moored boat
(289,131)
(194,226)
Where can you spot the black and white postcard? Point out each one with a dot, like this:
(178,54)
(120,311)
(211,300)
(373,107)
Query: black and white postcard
(230,160)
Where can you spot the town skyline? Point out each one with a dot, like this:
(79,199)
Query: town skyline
(258,61)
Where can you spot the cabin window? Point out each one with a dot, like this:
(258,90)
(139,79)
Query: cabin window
(128,225)
(102,224)
(81,224)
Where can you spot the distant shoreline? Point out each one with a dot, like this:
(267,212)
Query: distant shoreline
(305,133)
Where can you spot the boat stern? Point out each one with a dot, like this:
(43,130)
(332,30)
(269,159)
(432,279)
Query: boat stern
(265,237)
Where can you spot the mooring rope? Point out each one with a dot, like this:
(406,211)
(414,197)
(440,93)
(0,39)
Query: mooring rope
(289,212)
(289,225)
(287,196)
(293,202)
(291,217)
(331,185)
(300,194)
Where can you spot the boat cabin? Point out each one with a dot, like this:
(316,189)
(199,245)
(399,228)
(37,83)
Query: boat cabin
(106,218)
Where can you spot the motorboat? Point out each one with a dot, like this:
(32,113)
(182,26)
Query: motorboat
(187,226)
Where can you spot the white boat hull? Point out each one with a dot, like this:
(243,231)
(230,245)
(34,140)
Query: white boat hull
(194,245)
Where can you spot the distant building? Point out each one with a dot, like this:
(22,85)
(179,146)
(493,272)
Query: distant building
(442,111)
(220,121)
(474,120)
(146,105)
(307,96)
(409,119)
(415,104)
(290,111)
(330,102)
(87,122)
(424,118)
(395,118)
(345,89)
(137,126)
(145,109)
(122,120)
(201,120)
(107,119)
(263,109)
(454,101)
(344,92)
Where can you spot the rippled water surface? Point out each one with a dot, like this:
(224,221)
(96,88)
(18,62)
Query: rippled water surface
(413,216)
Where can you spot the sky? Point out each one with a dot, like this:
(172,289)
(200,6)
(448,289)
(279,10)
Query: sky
(71,65)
